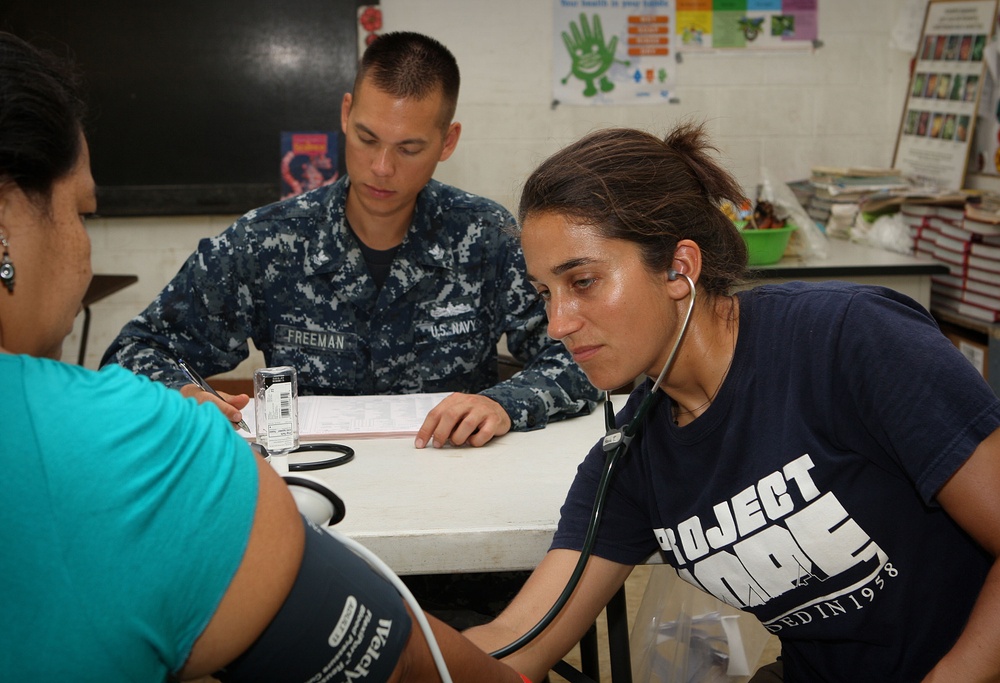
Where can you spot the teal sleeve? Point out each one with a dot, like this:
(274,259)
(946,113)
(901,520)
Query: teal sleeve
(154,496)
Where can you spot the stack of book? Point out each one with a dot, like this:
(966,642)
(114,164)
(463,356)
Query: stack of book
(931,223)
(803,191)
(970,247)
(848,185)
(917,218)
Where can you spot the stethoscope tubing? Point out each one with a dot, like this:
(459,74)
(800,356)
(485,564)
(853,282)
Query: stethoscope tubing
(615,444)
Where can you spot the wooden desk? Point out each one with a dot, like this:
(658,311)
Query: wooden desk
(858,263)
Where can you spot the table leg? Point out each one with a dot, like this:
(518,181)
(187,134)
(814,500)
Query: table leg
(83,335)
(618,647)
(590,662)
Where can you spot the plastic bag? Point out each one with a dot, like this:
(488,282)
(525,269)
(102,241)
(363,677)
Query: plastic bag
(890,232)
(684,635)
(806,242)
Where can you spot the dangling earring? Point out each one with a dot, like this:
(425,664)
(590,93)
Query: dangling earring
(6,265)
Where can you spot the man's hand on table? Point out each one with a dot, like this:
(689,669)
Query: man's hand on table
(463,418)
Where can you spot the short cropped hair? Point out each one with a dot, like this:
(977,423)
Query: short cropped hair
(411,65)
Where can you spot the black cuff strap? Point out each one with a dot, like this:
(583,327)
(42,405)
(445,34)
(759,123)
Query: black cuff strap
(340,621)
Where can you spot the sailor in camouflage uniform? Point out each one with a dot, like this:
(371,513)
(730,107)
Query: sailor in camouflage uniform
(292,277)
(384,282)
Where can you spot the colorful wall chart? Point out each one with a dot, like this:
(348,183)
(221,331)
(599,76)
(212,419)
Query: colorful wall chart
(715,24)
(624,51)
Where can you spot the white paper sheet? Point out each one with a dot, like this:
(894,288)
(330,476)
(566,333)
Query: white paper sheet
(330,417)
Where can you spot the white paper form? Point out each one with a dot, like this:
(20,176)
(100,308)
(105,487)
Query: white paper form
(330,417)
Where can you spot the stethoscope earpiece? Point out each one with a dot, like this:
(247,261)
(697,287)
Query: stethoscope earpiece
(615,444)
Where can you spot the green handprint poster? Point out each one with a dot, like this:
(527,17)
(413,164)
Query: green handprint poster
(613,52)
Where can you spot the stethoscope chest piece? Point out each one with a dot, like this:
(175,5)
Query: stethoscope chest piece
(615,438)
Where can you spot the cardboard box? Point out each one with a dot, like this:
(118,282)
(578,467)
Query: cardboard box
(972,345)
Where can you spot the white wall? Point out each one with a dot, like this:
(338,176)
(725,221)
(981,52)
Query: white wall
(839,105)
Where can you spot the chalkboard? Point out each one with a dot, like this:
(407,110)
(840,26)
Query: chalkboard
(188,100)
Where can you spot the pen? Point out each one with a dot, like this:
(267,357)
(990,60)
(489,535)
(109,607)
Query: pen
(196,379)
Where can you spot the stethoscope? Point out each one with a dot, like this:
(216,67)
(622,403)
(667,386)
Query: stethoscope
(615,443)
(314,499)
(346,455)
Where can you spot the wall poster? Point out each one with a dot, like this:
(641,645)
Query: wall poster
(308,161)
(625,51)
(937,126)
(613,51)
(750,24)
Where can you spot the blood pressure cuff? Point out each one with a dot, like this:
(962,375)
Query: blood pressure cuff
(340,622)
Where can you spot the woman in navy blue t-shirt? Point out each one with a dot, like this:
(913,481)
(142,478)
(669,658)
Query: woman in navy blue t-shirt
(818,454)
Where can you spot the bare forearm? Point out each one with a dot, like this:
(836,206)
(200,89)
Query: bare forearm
(465,661)
(599,582)
(975,657)
(492,636)
(970,497)
(534,660)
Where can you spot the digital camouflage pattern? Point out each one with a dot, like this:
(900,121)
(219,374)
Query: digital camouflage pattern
(291,277)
